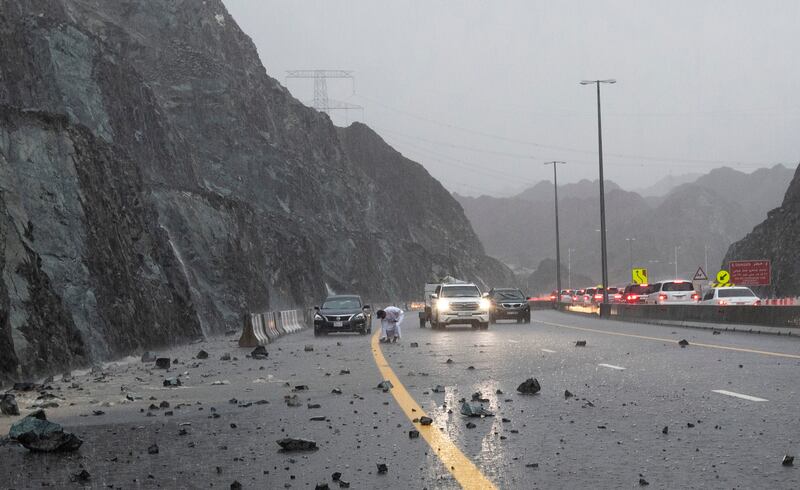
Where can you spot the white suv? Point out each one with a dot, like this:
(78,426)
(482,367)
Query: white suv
(730,296)
(459,304)
(677,292)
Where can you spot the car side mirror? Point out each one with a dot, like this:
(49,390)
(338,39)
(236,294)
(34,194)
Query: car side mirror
(366,307)
(316,308)
(434,296)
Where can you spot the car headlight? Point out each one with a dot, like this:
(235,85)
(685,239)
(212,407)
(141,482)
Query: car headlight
(443,304)
(485,304)
(319,317)
(359,317)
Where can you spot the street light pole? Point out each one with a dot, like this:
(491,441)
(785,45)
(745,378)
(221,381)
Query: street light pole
(569,268)
(676,261)
(630,252)
(604,258)
(558,244)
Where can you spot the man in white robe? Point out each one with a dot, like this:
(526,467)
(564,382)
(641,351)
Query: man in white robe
(391,317)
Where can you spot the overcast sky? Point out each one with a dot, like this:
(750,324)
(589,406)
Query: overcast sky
(482,92)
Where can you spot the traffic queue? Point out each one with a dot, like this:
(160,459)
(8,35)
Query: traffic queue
(669,292)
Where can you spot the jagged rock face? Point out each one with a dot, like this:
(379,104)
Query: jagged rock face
(776,239)
(177,186)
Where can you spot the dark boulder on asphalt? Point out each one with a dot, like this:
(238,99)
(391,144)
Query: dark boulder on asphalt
(308,348)
(225,357)
(259,352)
(530,386)
(683,342)
(438,389)
(8,404)
(425,421)
(172,383)
(568,394)
(385,385)
(236,485)
(24,386)
(787,460)
(290,444)
(202,354)
(471,425)
(414,344)
(478,397)
(382,468)
(322,486)
(475,410)
(149,357)
(163,363)
(580,343)
(38,434)
(413,434)
(665,430)
(643,482)
(82,477)
(336,475)
(153,449)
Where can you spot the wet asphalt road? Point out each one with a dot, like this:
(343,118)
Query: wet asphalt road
(608,436)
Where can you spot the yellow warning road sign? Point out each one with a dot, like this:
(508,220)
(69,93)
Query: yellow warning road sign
(723,277)
(639,276)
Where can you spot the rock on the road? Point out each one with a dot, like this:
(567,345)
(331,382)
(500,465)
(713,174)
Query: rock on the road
(8,404)
(290,444)
(530,386)
(38,434)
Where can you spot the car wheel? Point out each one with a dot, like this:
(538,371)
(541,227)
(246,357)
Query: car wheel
(484,326)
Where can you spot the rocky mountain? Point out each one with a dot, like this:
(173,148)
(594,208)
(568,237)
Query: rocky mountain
(157,184)
(776,239)
(703,216)
(666,184)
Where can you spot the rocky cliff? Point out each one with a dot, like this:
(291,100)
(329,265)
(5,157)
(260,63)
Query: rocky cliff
(157,184)
(776,239)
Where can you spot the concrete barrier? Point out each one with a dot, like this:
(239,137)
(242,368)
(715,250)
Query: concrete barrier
(265,328)
(768,316)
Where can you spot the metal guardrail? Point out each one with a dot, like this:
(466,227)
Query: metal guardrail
(768,316)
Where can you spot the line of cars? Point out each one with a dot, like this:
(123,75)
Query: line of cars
(670,292)
(464,304)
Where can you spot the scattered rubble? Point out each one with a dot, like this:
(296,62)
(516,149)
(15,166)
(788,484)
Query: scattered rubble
(471,425)
(172,382)
(152,449)
(665,430)
(225,357)
(580,343)
(38,434)
(643,482)
(529,387)
(413,434)
(382,468)
(290,444)
(308,348)
(787,460)
(385,385)
(81,477)
(438,389)
(414,344)
(568,394)
(425,421)
(202,354)
(163,363)
(683,342)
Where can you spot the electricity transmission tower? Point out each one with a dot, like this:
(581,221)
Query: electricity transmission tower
(321,101)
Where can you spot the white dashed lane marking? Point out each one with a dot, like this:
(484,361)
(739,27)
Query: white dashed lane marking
(611,366)
(739,395)
(549,351)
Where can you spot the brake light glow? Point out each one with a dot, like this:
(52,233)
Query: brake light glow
(695,297)
(757,303)
(633,297)
(617,296)
(722,302)
(662,297)
(598,296)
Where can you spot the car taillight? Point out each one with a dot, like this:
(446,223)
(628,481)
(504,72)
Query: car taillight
(617,296)
(598,296)
(662,297)
(632,297)
(757,303)
(696,297)
(722,302)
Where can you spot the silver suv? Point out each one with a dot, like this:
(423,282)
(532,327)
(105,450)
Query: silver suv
(675,292)
(454,304)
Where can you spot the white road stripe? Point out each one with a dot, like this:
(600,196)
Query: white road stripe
(618,368)
(514,341)
(548,350)
(739,395)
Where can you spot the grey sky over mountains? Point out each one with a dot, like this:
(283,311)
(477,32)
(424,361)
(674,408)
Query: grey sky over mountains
(482,93)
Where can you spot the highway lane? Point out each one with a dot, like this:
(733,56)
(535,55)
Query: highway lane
(636,387)
(629,382)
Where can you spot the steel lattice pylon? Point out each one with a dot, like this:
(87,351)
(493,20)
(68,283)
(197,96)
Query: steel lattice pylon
(321,101)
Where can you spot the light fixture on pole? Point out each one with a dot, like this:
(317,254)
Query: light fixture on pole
(604,257)
(555,165)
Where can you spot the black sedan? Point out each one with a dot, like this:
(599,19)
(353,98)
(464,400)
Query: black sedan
(509,304)
(342,313)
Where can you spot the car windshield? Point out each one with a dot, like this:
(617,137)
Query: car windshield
(508,294)
(677,286)
(460,292)
(735,293)
(342,304)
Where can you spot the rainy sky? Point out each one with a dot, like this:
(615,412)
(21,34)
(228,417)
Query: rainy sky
(483,92)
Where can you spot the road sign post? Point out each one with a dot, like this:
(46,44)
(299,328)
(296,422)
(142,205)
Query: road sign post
(700,275)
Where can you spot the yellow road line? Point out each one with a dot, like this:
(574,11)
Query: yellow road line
(696,344)
(463,470)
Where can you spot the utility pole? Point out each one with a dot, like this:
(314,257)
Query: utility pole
(604,257)
(630,252)
(555,165)
(705,247)
(676,261)
(569,268)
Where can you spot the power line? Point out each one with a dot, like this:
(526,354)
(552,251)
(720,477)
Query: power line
(559,148)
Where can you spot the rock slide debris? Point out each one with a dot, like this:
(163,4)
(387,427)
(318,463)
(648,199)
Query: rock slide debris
(530,386)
